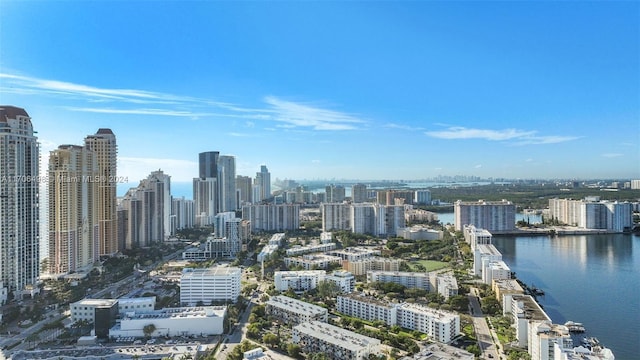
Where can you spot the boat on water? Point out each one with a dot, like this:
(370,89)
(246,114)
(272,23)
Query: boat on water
(536,291)
(590,342)
(574,326)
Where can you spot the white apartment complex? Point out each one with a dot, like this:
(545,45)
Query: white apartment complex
(475,236)
(360,267)
(593,214)
(420,232)
(446,284)
(363,218)
(404,278)
(344,279)
(495,216)
(335,342)
(367,308)
(301,250)
(216,284)
(440,325)
(272,217)
(312,261)
(355,253)
(293,312)
(298,280)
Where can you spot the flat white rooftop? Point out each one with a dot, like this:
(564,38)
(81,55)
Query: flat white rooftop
(212,271)
(334,335)
(295,305)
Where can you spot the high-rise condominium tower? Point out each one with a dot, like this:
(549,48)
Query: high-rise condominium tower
(147,211)
(205,188)
(263,182)
(103,143)
(74,229)
(208,164)
(227,183)
(19,230)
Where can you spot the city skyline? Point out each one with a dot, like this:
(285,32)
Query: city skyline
(405,90)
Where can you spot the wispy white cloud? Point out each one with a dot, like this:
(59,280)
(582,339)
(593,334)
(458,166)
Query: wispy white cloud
(156,112)
(303,115)
(521,137)
(536,140)
(287,114)
(459,132)
(478,166)
(403,127)
(612,155)
(246,135)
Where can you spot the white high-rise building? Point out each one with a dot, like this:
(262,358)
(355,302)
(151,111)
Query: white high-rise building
(205,200)
(227,184)
(359,193)
(216,284)
(19,192)
(335,216)
(103,142)
(495,216)
(272,217)
(182,214)
(74,228)
(593,214)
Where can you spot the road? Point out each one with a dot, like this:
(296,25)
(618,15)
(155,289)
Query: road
(483,333)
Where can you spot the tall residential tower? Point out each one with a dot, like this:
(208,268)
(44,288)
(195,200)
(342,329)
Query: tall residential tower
(19,229)
(103,143)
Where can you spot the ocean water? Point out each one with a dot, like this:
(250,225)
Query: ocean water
(592,279)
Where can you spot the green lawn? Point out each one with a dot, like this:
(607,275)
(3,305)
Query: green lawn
(430,265)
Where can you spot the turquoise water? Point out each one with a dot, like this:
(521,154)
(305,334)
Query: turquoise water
(592,279)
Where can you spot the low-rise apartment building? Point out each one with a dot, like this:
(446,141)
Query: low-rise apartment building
(360,267)
(309,262)
(408,279)
(440,325)
(298,280)
(336,343)
(301,250)
(293,312)
(367,308)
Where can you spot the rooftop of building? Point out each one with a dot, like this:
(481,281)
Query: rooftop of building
(295,305)
(488,249)
(440,314)
(341,273)
(530,308)
(499,265)
(335,335)
(356,250)
(399,273)
(508,284)
(11,112)
(182,312)
(366,299)
(136,300)
(291,274)
(95,302)
(440,352)
(374,258)
(212,271)
(484,202)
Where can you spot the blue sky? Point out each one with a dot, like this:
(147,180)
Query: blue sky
(369,90)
